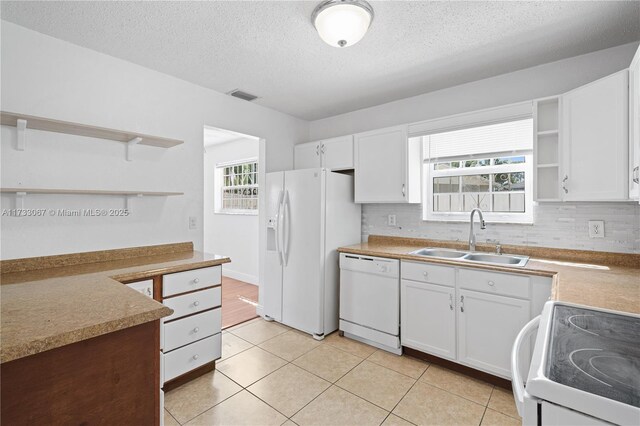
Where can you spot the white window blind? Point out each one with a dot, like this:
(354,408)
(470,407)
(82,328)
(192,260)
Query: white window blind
(510,136)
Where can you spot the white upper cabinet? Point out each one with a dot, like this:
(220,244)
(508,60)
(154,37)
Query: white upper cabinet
(387,166)
(333,154)
(634,127)
(595,140)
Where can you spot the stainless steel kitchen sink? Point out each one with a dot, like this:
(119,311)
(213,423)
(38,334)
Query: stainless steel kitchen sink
(473,257)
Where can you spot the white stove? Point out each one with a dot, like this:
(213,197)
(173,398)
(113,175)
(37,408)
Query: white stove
(585,367)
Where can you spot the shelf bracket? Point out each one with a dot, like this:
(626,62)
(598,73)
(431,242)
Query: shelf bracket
(20,196)
(130,145)
(21,126)
(127,200)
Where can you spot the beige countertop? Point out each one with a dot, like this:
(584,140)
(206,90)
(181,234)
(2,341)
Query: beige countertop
(44,309)
(581,277)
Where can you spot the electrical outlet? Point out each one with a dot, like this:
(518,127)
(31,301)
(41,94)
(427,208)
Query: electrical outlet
(596,229)
(391,220)
(193,222)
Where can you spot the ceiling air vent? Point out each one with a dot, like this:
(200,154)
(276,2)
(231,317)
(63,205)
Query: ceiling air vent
(242,95)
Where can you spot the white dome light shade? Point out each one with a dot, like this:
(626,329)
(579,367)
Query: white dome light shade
(342,23)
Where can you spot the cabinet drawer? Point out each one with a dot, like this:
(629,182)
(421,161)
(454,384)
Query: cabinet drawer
(193,302)
(192,356)
(186,330)
(495,283)
(145,287)
(423,272)
(182,282)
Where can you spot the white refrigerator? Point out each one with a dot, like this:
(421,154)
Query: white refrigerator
(310,213)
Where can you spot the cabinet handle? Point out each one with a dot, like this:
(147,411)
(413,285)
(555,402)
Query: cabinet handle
(461,303)
(196,303)
(564,185)
(491,283)
(636,177)
(196,356)
(322,149)
(450,302)
(317,149)
(426,274)
(403,190)
(196,280)
(195,330)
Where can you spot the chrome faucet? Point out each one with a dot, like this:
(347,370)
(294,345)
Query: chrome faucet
(472,235)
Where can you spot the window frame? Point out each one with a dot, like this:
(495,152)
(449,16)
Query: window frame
(429,173)
(219,187)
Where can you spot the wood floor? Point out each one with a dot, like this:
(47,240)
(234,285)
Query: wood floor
(239,301)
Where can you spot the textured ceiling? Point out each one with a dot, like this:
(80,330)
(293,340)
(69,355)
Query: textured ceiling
(271,49)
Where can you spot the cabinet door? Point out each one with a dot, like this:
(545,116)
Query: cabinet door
(634,127)
(595,141)
(337,153)
(428,319)
(487,327)
(307,156)
(380,166)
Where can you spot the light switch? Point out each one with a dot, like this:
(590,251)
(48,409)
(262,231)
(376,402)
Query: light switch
(596,229)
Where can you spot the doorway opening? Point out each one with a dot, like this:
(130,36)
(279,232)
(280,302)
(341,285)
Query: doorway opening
(232,184)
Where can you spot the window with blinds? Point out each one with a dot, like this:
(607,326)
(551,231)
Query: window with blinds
(486,167)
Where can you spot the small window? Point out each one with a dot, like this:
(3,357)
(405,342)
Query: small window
(237,188)
(497,182)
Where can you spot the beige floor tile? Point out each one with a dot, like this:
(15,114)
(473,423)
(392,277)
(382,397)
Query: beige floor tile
(502,400)
(243,324)
(241,409)
(290,345)
(376,384)
(493,418)
(259,331)
(289,389)
(169,420)
(232,345)
(197,396)
(426,404)
(289,423)
(406,365)
(338,407)
(394,420)
(457,383)
(327,362)
(250,366)
(349,345)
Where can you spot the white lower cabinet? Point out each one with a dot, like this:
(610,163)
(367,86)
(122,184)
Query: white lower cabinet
(487,327)
(421,304)
(472,316)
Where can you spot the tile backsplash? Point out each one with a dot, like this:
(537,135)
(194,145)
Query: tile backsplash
(559,225)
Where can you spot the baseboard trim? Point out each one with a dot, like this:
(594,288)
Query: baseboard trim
(240,276)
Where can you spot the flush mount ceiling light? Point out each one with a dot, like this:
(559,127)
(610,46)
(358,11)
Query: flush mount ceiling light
(342,23)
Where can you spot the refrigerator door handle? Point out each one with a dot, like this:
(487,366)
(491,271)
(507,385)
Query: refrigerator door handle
(278,217)
(286,234)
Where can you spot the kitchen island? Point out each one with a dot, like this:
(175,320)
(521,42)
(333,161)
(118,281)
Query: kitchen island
(78,341)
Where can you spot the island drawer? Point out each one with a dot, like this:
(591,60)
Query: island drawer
(495,282)
(196,279)
(428,273)
(193,302)
(192,356)
(187,330)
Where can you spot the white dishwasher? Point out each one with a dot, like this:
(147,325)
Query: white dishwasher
(370,300)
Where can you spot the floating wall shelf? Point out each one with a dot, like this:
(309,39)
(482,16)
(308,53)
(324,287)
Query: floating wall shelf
(23,121)
(22,192)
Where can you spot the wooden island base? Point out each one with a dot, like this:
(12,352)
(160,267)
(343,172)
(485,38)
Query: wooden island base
(109,379)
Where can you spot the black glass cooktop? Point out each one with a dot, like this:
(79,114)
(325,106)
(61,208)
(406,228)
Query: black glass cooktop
(596,352)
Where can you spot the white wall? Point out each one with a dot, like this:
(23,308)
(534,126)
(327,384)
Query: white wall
(234,235)
(536,82)
(44,76)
